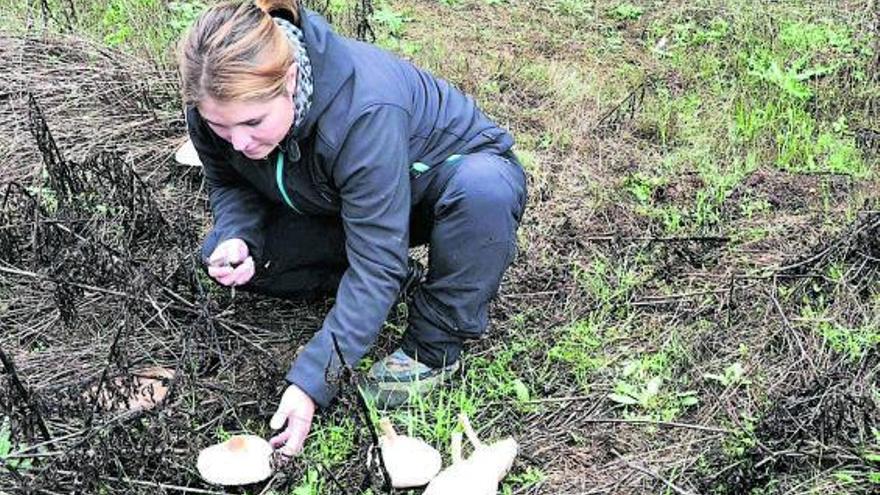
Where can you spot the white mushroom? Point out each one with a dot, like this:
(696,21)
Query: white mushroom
(241,460)
(187,155)
(409,461)
(481,472)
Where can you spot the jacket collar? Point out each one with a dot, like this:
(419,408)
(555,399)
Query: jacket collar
(331,67)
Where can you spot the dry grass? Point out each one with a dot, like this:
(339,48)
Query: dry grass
(98,273)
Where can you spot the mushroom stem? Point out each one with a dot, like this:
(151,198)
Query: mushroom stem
(387,428)
(469,431)
(456,447)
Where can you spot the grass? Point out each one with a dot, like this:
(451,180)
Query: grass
(747,132)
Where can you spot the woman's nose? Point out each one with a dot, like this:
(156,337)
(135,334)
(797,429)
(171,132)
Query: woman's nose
(240,138)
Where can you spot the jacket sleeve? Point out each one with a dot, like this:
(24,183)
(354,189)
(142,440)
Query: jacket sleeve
(239,209)
(372,174)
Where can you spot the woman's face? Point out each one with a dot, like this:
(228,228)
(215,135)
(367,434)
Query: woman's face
(254,128)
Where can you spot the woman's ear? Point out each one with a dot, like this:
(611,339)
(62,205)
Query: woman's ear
(290,82)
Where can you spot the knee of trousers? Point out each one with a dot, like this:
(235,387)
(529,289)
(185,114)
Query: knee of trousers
(487,186)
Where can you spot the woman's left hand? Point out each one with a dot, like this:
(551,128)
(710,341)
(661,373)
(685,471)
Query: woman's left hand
(296,409)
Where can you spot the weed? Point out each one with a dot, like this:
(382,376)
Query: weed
(390,26)
(183,14)
(581,346)
(812,38)
(643,385)
(851,342)
(790,80)
(606,281)
(752,207)
(390,20)
(498,380)
(719,183)
(733,374)
(574,8)
(311,484)
(643,187)
(6,448)
(742,439)
(626,12)
(518,482)
(332,443)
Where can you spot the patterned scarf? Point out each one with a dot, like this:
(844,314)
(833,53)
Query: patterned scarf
(302,98)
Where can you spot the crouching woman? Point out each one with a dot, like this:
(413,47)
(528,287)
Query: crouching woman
(326,160)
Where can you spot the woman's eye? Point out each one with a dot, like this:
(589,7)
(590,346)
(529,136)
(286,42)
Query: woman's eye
(253,123)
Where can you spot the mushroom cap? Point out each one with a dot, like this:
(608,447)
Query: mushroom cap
(145,390)
(496,458)
(409,461)
(187,155)
(479,474)
(463,478)
(241,460)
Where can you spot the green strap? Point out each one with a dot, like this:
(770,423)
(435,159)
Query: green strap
(279,180)
(418,168)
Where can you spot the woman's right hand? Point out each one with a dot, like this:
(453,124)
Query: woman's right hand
(231,264)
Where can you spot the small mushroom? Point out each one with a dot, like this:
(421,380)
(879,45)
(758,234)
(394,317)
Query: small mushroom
(241,460)
(410,462)
(187,155)
(146,389)
(480,473)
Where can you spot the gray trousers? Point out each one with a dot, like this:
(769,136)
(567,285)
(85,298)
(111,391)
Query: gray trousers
(466,211)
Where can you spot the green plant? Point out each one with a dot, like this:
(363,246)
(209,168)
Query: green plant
(719,182)
(183,14)
(434,416)
(642,186)
(221,434)
(330,443)
(499,381)
(790,80)
(640,386)
(733,374)
(812,38)
(605,280)
(853,342)
(626,12)
(752,206)
(532,476)
(311,484)
(581,345)
(742,438)
(6,448)
(390,20)
(573,8)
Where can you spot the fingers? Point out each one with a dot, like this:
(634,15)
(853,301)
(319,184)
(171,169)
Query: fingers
(278,419)
(290,441)
(230,252)
(295,410)
(229,276)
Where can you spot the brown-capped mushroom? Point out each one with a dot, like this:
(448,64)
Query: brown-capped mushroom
(146,389)
(409,461)
(480,473)
(241,460)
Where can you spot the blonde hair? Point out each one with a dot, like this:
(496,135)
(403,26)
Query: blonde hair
(235,52)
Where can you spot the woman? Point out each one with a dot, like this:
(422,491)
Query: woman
(326,159)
